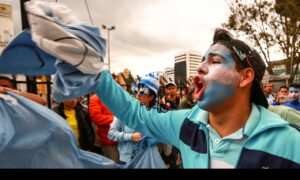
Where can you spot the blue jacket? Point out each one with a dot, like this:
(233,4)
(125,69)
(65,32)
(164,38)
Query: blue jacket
(293,104)
(121,133)
(272,144)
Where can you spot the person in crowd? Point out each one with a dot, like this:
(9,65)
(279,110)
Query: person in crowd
(7,84)
(294,90)
(146,92)
(171,99)
(120,80)
(268,90)
(78,119)
(289,114)
(186,101)
(102,117)
(282,93)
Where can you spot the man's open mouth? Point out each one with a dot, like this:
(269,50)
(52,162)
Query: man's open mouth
(199,85)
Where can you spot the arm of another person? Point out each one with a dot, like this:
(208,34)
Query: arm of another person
(115,132)
(165,127)
(34,97)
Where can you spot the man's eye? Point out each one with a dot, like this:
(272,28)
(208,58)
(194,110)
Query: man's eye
(217,59)
(216,62)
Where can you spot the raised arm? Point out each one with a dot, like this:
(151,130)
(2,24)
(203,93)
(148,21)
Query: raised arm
(163,126)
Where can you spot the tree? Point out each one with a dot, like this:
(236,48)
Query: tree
(269,25)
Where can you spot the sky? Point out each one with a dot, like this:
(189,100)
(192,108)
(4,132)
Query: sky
(149,33)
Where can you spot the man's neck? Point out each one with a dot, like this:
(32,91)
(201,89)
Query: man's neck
(231,119)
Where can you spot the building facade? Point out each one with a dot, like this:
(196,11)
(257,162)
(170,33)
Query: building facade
(185,66)
(169,74)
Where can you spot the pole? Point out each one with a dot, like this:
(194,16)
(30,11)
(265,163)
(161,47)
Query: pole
(108,42)
(108,49)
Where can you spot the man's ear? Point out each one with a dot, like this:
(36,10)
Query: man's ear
(247,76)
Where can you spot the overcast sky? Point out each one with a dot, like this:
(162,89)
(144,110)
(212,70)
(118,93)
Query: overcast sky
(149,33)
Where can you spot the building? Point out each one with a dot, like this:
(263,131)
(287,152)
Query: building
(7,26)
(280,73)
(169,74)
(186,64)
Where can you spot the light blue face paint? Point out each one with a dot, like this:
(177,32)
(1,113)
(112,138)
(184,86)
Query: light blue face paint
(221,79)
(216,93)
(222,51)
(292,91)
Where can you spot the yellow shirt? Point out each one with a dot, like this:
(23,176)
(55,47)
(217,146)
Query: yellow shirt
(71,119)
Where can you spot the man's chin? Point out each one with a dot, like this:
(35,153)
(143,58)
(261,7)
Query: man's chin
(203,105)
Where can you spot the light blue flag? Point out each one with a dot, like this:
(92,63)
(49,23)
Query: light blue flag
(33,136)
(23,56)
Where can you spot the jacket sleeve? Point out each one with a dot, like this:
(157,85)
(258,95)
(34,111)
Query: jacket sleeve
(115,132)
(165,127)
(96,111)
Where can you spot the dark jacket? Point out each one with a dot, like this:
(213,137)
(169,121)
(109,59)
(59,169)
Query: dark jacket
(85,128)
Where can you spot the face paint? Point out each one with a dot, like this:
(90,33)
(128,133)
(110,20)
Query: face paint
(220,78)
(216,93)
(223,52)
(293,91)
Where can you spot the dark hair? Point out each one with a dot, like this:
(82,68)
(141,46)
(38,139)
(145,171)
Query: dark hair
(294,85)
(114,76)
(244,55)
(283,87)
(265,84)
(224,37)
(153,101)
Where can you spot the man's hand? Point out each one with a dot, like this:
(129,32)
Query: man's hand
(136,137)
(280,99)
(2,90)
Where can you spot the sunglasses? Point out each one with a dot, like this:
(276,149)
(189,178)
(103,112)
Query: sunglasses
(140,90)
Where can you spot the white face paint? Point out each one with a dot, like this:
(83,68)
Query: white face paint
(217,78)
(223,75)
(293,91)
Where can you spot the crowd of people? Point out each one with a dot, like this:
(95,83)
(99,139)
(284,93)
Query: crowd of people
(97,129)
(222,120)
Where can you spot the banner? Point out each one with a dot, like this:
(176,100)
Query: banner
(7,26)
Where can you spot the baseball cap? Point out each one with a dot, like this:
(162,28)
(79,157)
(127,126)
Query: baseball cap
(170,83)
